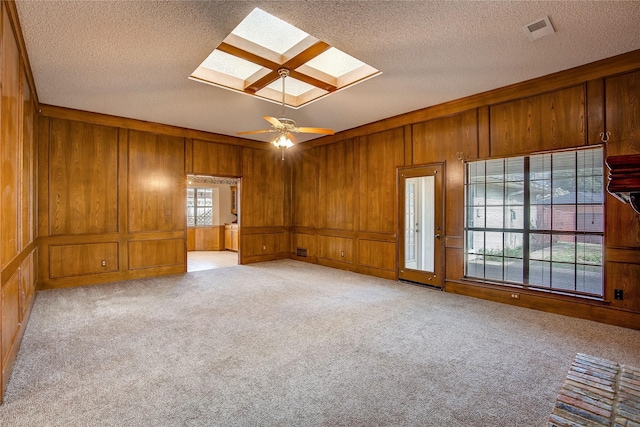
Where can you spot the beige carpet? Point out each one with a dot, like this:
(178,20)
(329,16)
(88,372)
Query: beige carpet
(286,343)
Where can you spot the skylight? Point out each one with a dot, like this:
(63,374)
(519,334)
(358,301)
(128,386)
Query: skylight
(248,60)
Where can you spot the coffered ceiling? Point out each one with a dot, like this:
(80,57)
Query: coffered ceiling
(134,58)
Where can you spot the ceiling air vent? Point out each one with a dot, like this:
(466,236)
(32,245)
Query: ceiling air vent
(540,28)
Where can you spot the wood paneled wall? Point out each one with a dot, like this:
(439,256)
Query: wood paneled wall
(343,188)
(112,198)
(18,251)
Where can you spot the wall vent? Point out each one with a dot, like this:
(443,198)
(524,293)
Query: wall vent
(301,252)
(540,28)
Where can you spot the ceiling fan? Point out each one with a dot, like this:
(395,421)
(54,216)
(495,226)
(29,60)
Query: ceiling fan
(284,127)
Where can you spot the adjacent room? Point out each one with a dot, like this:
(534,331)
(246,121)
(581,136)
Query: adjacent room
(320,213)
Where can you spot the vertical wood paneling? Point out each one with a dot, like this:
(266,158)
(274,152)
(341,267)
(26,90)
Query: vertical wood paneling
(210,158)
(27,168)
(304,241)
(380,154)
(262,192)
(304,188)
(336,249)
(83,178)
(27,284)
(625,277)
(376,254)
(10,169)
(43,176)
(443,139)
(156,253)
(549,121)
(81,259)
(595,110)
(623,121)
(10,317)
(263,244)
(623,114)
(157,182)
(336,200)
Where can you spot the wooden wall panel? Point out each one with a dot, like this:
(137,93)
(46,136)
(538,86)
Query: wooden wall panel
(27,284)
(336,248)
(304,188)
(210,158)
(263,244)
(157,182)
(623,121)
(10,171)
(81,259)
(623,113)
(304,241)
(10,317)
(337,198)
(262,195)
(377,254)
(83,178)
(625,277)
(380,154)
(549,121)
(156,253)
(191,239)
(446,139)
(27,181)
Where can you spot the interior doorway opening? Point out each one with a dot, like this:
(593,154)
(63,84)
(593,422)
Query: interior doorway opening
(213,211)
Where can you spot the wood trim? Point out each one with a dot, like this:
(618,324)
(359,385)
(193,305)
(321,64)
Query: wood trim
(140,125)
(15,263)
(624,255)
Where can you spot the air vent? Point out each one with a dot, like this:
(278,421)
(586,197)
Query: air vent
(301,252)
(540,28)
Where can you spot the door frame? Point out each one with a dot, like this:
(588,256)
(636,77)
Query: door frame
(437,278)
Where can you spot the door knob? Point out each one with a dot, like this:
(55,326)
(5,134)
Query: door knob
(438,236)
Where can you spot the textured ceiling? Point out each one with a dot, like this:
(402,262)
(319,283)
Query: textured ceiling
(133,58)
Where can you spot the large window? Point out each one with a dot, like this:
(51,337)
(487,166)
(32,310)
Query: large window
(537,221)
(199,206)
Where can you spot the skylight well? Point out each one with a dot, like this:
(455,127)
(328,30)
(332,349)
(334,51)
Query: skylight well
(248,60)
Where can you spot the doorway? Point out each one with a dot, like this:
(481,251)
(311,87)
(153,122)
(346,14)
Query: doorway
(212,212)
(421,224)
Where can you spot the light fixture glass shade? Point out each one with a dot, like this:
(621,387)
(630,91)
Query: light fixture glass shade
(283,141)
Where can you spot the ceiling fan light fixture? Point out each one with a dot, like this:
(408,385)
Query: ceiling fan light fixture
(282,141)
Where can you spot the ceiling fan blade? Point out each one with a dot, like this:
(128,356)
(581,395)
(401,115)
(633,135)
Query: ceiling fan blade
(251,132)
(292,138)
(275,122)
(323,131)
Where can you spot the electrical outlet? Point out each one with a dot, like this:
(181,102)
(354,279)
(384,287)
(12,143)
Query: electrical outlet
(342,254)
(264,247)
(515,296)
(618,294)
(104,262)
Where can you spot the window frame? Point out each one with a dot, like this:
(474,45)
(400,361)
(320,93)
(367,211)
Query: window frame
(580,236)
(197,207)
